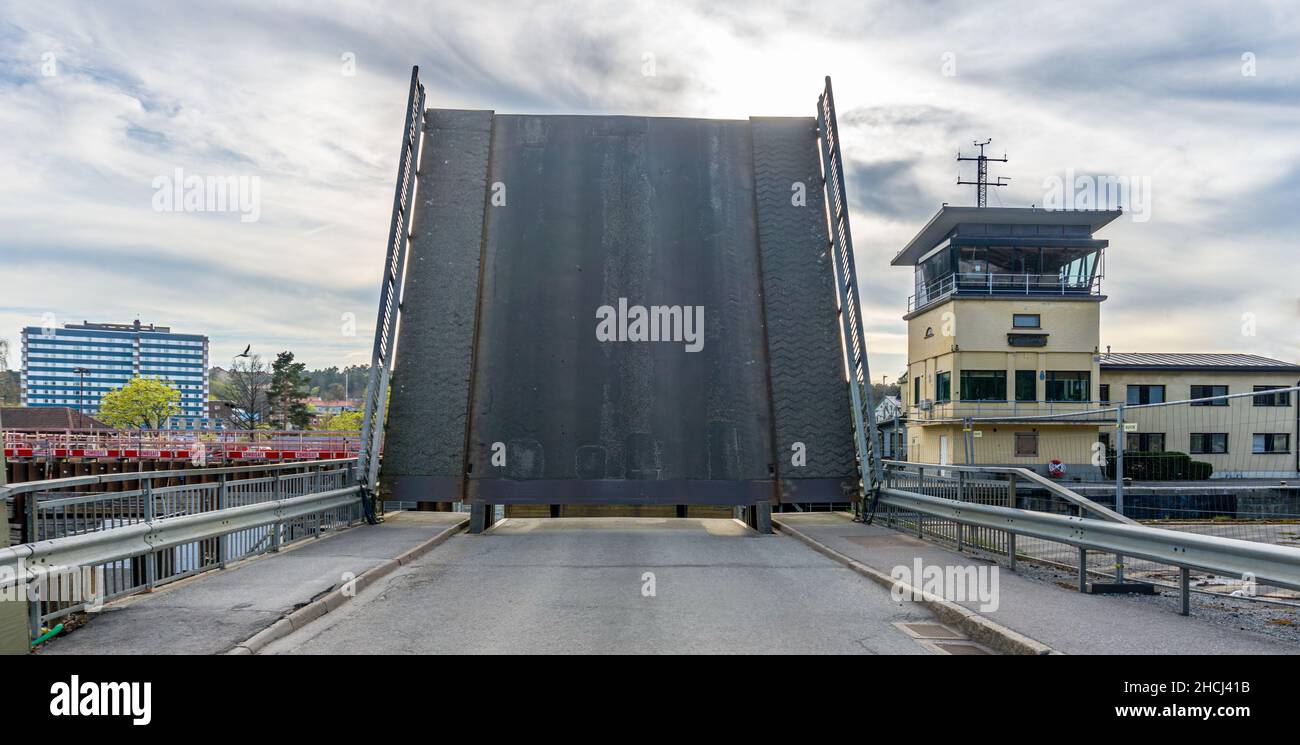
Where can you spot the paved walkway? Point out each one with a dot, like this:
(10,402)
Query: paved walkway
(215,611)
(1060,617)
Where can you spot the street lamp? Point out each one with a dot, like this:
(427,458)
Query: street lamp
(81,384)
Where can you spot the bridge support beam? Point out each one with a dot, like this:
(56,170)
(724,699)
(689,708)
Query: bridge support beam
(481,516)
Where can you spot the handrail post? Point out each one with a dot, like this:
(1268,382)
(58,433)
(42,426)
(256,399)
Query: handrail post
(920,489)
(961,497)
(1119,481)
(150,567)
(222,500)
(1083,569)
(1185,591)
(276,495)
(1011,536)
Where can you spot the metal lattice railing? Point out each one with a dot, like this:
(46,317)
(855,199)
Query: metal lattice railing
(95,538)
(846,292)
(1043,521)
(383,355)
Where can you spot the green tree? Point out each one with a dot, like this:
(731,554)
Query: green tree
(141,403)
(345,421)
(9,391)
(288,388)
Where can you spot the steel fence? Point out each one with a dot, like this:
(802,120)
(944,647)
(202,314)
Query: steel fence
(57,513)
(1029,492)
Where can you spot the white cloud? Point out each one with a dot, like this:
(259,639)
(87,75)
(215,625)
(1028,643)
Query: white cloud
(247,89)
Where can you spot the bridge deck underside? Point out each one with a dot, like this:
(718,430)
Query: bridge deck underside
(525,227)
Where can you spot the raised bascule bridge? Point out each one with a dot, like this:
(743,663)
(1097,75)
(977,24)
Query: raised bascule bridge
(616,316)
(618,310)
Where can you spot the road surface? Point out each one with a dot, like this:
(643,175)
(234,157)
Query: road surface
(583,586)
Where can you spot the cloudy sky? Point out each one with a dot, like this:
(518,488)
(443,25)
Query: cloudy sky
(99,100)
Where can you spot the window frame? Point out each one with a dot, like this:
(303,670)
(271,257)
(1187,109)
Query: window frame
(1144,388)
(1271,437)
(1016,449)
(1271,398)
(1192,393)
(1033,386)
(1080,375)
(943,386)
(985,375)
(1191,443)
(1145,437)
(1037,317)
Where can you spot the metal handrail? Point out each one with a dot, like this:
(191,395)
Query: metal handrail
(1277,565)
(90,549)
(994,283)
(1065,493)
(27,487)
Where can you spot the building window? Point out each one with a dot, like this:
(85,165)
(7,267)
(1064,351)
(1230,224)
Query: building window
(1026,385)
(1144,442)
(1208,391)
(1272,399)
(1104,439)
(1207,443)
(916,391)
(1026,320)
(1026,444)
(943,386)
(1103,392)
(1271,443)
(983,385)
(1145,394)
(1069,386)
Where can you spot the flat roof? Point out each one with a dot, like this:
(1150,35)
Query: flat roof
(949,217)
(1195,361)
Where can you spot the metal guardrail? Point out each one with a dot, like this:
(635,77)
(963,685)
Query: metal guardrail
(993,283)
(110,544)
(966,507)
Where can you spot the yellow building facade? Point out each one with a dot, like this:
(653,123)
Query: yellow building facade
(1004,359)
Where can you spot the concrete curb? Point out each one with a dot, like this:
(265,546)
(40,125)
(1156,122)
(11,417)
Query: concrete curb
(973,625)
(335,598)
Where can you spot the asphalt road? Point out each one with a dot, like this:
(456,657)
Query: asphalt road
(580,586)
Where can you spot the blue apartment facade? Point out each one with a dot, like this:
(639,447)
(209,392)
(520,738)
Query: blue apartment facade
(76,365)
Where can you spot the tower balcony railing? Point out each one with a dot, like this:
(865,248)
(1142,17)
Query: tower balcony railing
(1082,412)
(989,283)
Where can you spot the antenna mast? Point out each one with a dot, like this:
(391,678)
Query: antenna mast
(981,182)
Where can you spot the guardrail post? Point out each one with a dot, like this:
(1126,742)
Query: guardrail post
(920,488)
(1185,590)
(222,552)
(961,497)
(30,510)
(1011,537)
(1083,569)
(1119,482)
(275,526)
(150,567)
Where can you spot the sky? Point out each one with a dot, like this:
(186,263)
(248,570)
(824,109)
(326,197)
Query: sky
(300,104)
